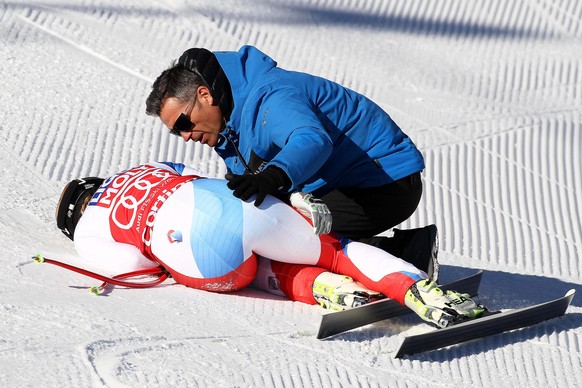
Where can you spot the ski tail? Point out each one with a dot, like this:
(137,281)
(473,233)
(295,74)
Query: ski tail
(481,327)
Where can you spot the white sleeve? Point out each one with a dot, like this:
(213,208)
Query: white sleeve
(98,249)
(110,257)
(193,171)
(183,169)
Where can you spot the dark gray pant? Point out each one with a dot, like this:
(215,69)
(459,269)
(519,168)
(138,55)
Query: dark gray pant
(360,214)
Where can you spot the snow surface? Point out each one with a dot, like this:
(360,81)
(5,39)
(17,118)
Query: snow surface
(490,91)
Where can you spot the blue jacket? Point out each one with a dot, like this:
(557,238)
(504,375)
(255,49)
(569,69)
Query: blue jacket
(323,135)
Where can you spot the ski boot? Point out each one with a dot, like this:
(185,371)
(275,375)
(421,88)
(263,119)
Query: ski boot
(340,292)
(441,308)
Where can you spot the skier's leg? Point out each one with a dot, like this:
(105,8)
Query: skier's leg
(296,280)
(312,285)
(198,238)
(266,279)
(373,267)
(361,214)
(276,231)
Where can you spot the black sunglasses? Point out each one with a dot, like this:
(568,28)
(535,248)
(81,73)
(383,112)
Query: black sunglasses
(182,124)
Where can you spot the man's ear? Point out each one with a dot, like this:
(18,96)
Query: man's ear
(203,95)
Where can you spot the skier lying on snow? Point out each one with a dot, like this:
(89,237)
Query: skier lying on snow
(165,214)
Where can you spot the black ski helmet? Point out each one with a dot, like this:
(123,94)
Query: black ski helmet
(70,206)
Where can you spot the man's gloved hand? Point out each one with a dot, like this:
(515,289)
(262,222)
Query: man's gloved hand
(314,209)
(272,180)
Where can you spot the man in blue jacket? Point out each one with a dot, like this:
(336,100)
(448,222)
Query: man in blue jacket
(282,132)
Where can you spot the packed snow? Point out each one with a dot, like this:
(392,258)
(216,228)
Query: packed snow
(490,91)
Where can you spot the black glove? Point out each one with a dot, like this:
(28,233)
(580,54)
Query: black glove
(272,180)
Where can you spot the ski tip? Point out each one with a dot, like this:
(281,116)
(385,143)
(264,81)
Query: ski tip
(571,292)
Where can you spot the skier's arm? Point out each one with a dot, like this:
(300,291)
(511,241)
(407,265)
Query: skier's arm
(184,170)
(110,257)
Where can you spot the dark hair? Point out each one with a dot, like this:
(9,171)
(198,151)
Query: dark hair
(176,81)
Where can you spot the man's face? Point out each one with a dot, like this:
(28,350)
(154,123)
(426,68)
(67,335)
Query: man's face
(206,119)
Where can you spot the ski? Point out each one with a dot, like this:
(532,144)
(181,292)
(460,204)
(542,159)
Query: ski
(342,321)
(491,324)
